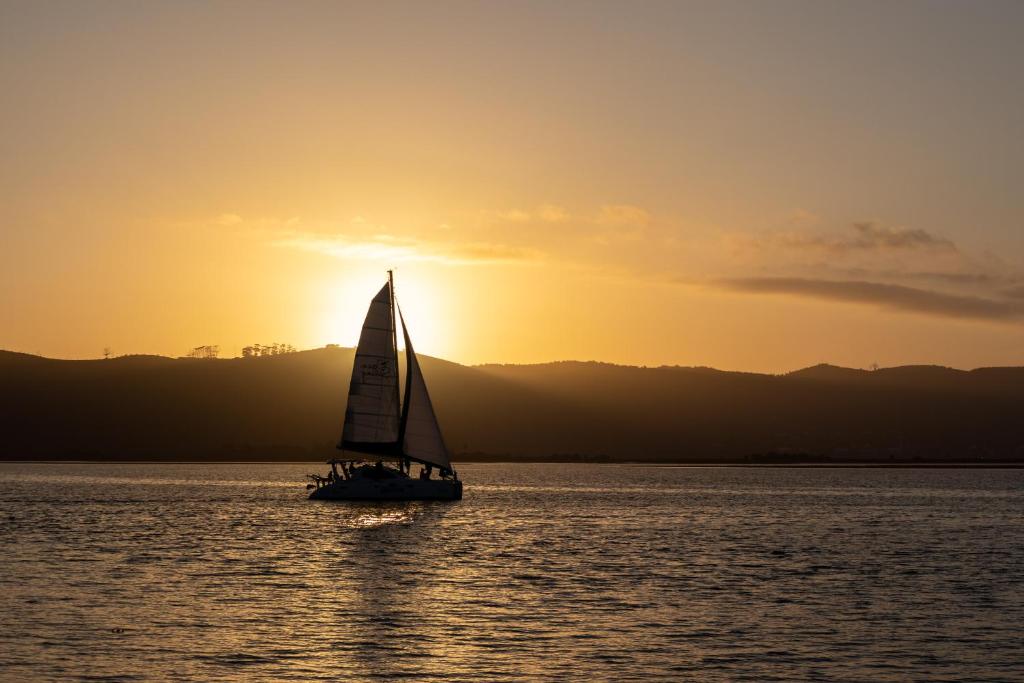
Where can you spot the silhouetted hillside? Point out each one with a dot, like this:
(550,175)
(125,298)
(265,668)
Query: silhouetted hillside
(290,407)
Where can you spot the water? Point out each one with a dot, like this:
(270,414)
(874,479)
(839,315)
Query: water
(543,572)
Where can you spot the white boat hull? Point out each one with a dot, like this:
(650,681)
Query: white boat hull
(399,488)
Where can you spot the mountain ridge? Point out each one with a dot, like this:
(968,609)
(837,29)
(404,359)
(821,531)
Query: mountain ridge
(290,407)
(6,354)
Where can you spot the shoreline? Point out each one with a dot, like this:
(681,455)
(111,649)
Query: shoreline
(617,463)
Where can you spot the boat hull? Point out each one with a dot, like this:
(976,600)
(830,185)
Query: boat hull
(390,489)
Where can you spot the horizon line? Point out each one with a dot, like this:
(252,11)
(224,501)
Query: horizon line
(325,347)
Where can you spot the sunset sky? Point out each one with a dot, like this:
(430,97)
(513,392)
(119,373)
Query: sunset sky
(753,186)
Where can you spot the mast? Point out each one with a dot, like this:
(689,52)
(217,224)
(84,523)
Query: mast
(404,414)
(394,345)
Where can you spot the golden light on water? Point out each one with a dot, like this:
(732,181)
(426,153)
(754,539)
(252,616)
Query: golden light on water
(381,517)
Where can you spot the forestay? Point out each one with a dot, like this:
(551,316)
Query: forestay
(372,418)
(421,437)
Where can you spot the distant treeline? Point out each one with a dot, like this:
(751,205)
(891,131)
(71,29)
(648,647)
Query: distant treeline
(212,351)
(257,350)
(290,407)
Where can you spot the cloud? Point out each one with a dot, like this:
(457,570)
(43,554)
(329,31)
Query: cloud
(1014,292)
(957,278)
(545,213)
(623,215)
(580,237)
(888,296)
(863,237)
(391,248)
(894,268)
(608,215)
(234,220)
(492,253)
(803,218)
(970,278)
(227,219)
(514,216)
(872,236)
(549,213)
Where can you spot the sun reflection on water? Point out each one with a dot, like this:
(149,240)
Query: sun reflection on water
(378,518)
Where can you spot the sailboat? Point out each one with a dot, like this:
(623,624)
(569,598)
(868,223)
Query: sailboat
(384,435)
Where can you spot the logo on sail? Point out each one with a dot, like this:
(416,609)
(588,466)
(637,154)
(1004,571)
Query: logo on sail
(379,368)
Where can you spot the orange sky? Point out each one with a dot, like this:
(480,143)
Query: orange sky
(756,186)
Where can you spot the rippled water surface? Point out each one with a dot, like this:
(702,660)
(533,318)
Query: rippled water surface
(543,572)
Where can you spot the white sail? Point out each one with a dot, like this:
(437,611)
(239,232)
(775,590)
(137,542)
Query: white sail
(421,438)
(372,416)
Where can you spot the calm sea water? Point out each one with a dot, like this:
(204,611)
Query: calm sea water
(543,572)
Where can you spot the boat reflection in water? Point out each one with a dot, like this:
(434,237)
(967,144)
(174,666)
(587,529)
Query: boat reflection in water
(382,428)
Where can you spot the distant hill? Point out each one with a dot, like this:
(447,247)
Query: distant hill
(290,407)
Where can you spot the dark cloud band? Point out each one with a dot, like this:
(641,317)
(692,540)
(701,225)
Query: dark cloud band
(894,297)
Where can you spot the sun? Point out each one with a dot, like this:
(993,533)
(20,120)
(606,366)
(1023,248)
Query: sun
(420,299)
(424,311)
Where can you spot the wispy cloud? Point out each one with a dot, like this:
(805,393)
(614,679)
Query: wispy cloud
(545,213)
(607,215)
(869,235)
(361,238)
(624,215)
(888,296)
(1014,292)
(964,278)
(552,213)
(228,219)
(803,218)
(254,224)
(896,268)
(391,248)
(514,216)
(581,236)
(865,236)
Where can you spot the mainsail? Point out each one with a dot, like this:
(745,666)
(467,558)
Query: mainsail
(421,434)
(372,416)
